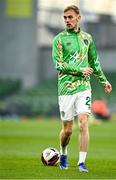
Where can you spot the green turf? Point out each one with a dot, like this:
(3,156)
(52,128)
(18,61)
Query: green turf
(21,144)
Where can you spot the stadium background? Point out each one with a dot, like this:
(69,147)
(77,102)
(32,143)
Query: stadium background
(27,74)
(28,86)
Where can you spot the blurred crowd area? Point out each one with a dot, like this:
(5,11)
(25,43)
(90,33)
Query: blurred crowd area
(28,79)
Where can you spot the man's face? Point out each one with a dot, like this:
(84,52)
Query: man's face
(71,19)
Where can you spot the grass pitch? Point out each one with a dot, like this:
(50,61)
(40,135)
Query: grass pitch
(22,142)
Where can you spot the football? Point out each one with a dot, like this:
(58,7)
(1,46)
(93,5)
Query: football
(50,156)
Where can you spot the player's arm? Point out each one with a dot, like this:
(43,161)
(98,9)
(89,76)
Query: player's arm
(60,65)
(95,65)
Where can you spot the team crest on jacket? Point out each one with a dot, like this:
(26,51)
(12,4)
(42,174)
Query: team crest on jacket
(86,41)
(68,43)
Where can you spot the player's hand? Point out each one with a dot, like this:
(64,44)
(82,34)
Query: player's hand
(87,71)
(108,88)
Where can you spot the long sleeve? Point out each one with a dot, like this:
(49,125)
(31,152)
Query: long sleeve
(70,57)
(60,64)
(95,64)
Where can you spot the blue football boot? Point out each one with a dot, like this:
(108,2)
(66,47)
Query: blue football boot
(82,168)
(63,162)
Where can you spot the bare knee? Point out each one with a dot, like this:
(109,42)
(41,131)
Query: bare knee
(67,132)
(67,128)
(83,123)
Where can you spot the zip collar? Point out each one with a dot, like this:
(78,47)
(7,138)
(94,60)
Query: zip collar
(73,31)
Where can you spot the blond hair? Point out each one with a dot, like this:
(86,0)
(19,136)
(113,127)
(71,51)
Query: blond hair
(74,8)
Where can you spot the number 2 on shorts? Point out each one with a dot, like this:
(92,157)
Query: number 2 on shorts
(88,100)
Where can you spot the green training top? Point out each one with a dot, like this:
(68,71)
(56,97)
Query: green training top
(72,52)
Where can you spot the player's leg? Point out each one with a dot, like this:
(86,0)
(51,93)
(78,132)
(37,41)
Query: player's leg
(66,104)
(83,110)
(65,136)
(83,141)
